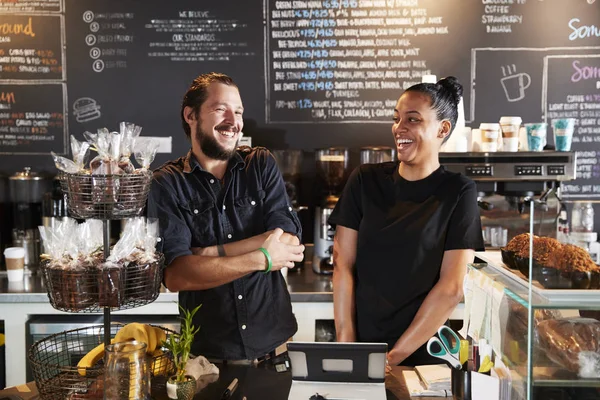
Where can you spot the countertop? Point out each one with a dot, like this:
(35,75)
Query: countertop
(253,384)
(303,284)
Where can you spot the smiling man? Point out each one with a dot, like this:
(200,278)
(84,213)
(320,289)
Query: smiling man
(226,229)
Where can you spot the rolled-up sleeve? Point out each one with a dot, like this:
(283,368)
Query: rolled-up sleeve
(175,235)
(278,212)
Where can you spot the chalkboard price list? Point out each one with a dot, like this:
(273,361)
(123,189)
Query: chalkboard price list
(574,92)
(32,119)
(30,47)
(344,60)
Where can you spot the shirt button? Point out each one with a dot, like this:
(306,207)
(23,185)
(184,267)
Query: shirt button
(290,208)
(195,211)
(229,236)
(224,207)
(158,239)
(212,181)
(253,202)
(240,297)
(244,327)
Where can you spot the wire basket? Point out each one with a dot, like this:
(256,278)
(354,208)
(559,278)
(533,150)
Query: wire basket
(106,196)
(91,288)
(53,361)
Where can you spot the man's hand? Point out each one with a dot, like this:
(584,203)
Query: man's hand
(283,254)
(288,238)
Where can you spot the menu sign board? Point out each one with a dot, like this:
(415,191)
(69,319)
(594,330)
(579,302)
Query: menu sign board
(344,61)
(573,91)
(31,47)
(32,118)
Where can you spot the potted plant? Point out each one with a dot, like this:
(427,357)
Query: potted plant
(181,386)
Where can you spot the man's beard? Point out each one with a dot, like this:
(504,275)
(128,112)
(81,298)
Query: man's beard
(211,148)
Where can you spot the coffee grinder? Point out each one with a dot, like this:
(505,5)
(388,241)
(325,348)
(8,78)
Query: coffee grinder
(332,168)
(27,189)
(289,163)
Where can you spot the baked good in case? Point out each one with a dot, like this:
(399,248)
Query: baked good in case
(563,339)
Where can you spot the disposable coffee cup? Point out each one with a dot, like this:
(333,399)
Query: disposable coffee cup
(523,139)
(536,136)
(15,263)
(489,137)
(510,133)
(563,133)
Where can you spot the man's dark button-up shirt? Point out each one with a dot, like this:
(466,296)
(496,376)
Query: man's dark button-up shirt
(251,316)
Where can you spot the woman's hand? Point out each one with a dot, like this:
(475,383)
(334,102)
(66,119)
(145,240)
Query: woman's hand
(395,357)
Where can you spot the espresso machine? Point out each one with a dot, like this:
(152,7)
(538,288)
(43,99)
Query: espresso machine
(26,190)
(376,154)
(332,170)
(508,182)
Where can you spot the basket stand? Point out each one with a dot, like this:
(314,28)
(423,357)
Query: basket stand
(106,249)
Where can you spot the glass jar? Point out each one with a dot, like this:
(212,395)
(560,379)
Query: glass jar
(582,217)
(127,373)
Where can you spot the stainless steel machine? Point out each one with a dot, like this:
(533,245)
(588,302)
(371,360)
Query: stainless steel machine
(26,190)
(507,182)
(332,171)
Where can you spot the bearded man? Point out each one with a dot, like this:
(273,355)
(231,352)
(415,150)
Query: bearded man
(226,230)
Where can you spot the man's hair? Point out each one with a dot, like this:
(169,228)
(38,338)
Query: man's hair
(197,93)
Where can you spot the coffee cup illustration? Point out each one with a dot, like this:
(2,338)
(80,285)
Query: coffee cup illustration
(514,84)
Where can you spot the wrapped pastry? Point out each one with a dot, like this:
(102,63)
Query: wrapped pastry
(110,285)
(80,151)
(145,151)
(129,133)
(70,264)
(136,250)
(562,340)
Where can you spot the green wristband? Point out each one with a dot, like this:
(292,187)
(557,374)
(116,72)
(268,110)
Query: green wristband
(269,261)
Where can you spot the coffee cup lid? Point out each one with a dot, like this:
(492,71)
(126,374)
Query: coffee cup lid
(510,120)
(490,126)
(14,252)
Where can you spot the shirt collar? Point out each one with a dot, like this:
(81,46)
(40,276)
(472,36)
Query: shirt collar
(190,163)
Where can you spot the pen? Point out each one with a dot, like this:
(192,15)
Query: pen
(230,389)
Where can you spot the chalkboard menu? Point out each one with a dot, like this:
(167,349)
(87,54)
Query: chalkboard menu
(312,73)
(572,90)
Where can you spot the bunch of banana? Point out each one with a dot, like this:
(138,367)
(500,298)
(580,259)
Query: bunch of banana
(152,336)
(143,333)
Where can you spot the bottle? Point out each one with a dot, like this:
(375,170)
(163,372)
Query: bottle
(582,217)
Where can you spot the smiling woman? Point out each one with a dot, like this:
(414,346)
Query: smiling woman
(413,208)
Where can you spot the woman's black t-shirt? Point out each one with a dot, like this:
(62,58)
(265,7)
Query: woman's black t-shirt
(403,227)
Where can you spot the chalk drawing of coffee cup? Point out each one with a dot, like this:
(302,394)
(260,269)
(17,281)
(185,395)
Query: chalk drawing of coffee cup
(514,84)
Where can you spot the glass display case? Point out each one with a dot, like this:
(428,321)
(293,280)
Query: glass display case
(537,302)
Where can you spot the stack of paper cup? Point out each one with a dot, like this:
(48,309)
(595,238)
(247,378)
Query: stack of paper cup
(15,263)
(489,137)
(510,133)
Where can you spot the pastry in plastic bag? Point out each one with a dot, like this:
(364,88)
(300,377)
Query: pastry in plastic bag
(563,339)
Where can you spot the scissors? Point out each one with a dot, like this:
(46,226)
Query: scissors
(447,351)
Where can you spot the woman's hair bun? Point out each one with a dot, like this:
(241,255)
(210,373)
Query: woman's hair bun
(453,86)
